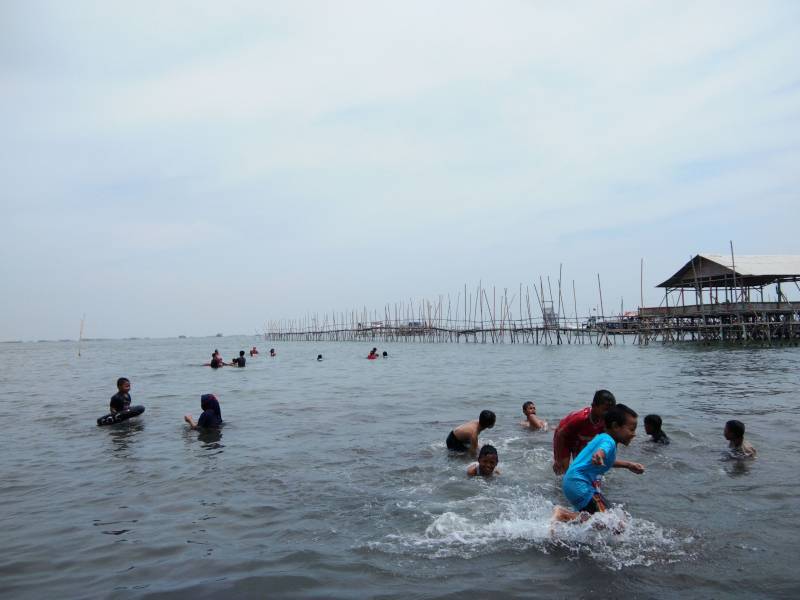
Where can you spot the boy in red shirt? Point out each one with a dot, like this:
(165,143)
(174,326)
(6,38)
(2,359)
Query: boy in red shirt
(578,428)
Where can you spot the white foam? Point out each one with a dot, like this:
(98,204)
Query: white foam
(614,539)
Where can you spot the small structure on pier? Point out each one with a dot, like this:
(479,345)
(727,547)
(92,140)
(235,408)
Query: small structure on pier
(726,301)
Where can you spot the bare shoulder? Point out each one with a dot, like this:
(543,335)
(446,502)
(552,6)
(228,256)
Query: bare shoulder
(468,429)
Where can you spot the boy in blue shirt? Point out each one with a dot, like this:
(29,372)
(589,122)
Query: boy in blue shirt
(594,460)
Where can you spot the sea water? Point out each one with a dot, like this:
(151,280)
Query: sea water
(331,479)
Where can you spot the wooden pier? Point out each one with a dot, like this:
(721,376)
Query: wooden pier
(535,315)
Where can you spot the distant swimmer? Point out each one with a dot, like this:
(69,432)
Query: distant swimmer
(373,354)
(578,428)
(253,351)
(319,357)
(652,427)
(122,399)
(600,454)
(212,414)
(272,352)
(385,354)
(241,361)
(216,361)
(734,433)
(464,438)
(487,463)
(531,420)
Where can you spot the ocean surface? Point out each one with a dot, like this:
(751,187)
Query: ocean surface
(331,479)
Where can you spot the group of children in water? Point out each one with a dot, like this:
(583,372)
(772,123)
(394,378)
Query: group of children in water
(240,361)
(584,442)
(584,448)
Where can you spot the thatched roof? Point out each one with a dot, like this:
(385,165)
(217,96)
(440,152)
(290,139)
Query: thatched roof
(717,270)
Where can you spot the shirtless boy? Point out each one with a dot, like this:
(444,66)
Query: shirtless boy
(531,420)
(464,438)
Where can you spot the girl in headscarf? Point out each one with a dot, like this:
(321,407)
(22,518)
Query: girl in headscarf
(211,417)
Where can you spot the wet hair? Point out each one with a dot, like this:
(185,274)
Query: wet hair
(241,352)
(122,380)
(619,415)
(319,356)
(736,428)
(385,353)
(653,420)
(486,419)
(603,397)
(526,405)
(487,449)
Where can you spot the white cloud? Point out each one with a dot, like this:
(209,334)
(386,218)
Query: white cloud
(480,133)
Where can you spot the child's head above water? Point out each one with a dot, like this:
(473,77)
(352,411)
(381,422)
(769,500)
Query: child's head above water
(486,419)
(621,424)
(528,408)
(123,384)
(602,402)
(487,460)
(603,398)
(734,430)
(652,424)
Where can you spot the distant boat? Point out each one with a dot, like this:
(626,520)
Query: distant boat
(181,337)
(219,335)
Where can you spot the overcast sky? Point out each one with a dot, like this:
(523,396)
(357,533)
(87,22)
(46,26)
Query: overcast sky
(197,167)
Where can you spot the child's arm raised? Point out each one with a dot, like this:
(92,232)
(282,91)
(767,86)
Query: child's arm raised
(633,467)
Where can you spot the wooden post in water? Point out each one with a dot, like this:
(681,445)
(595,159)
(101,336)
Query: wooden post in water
(80,335)
(602,312)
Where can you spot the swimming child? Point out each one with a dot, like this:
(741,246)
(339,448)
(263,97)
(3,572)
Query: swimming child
(464,438)
(253,351)
(487,462)
(599,455)
(385,354)
(578,428)
(319,357)
(373,354)
(216,361)
(734,433)
(241,361)
(272,352)
(122,399)
(652,427)
(531,420)
(211,417)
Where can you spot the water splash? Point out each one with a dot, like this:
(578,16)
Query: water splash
(614,540)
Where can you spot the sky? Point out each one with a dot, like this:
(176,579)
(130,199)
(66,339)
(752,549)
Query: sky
(188,168)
